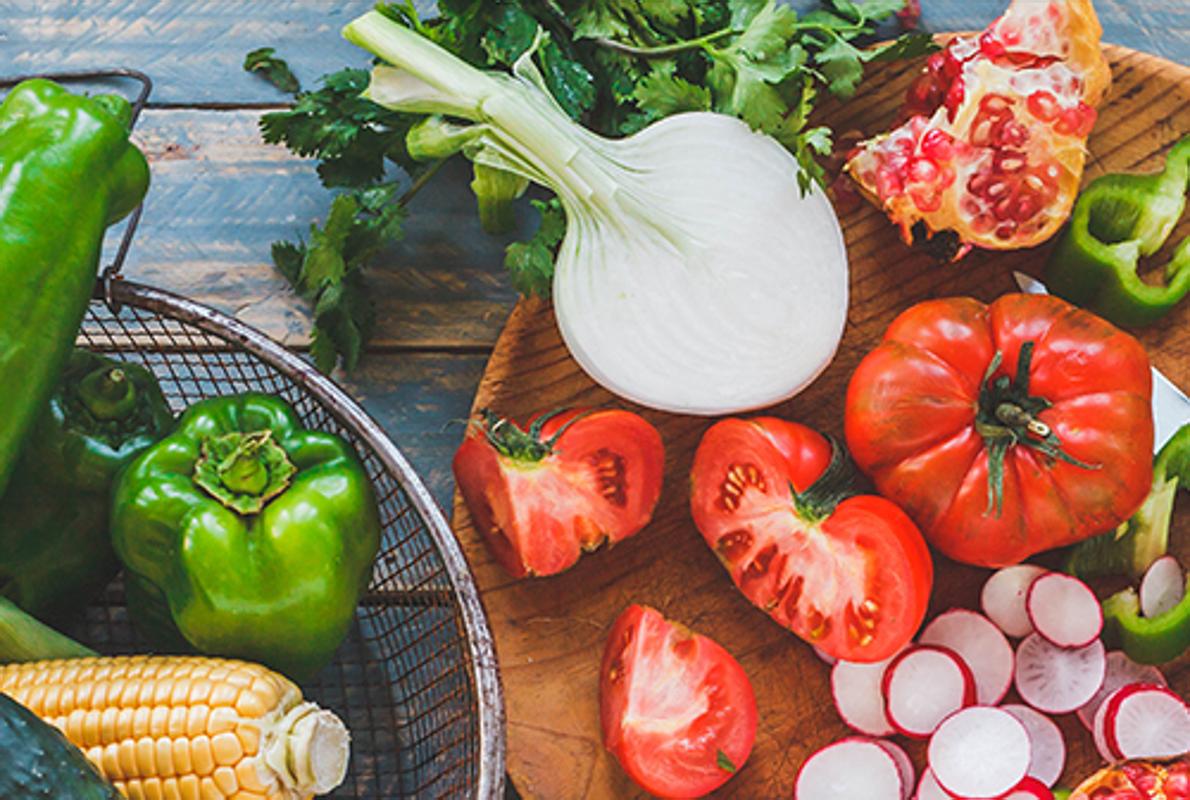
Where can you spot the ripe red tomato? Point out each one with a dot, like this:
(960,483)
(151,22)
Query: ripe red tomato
(542,495)
(1005,429)
(677,710)
(850,574)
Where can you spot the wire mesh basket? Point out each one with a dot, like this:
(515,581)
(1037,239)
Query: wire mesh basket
(416,679)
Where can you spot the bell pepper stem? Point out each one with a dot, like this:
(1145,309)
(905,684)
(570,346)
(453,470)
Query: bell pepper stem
(243,471)
(108,394)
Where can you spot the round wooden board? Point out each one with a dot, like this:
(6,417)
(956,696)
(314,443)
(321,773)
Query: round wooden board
(550,632)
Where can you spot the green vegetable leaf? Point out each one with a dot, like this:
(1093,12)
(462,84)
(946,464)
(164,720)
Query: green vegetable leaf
(571,84)
(661,93)
(724,762)
(909,45)
(511,34)
(531,264)
(841,63)
(272,68)
(666,12)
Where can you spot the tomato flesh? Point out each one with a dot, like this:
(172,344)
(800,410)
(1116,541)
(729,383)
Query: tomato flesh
(677,710)
(854,582)
(599,482)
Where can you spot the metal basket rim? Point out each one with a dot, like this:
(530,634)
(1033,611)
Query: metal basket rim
(481,645)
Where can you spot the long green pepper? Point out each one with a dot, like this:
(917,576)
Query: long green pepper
(67,171)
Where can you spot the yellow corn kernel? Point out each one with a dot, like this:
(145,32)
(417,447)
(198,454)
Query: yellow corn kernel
(187,727)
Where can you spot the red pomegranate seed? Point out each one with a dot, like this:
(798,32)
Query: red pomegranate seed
(977,184)
(938,145)
(996,105)
(1025,208)
(923,170)
(1043,105)
(954,98)
(924,95)
(888,183)
(998,188)
(928,199)
(1011,133)
(1005,230)
(1053,12)
(1089,115)
(946,177)
(981,132)
(971,207)
(1011,37)
(983,223)
(1009,161)
(936,63)
(990,46)
(847,199)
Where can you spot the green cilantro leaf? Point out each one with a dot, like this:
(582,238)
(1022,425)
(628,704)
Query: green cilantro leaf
(661,93)
(724,762)
(909,45)
(531,264)
(511,33)
(666,12)
(274,70)
(571,84)
(841,63)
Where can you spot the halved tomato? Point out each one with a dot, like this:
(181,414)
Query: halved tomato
(677,709)
(543,494)
(848,573)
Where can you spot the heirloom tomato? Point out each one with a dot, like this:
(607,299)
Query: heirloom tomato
(1004,429)
(849,573)
(677,709)
(542,495)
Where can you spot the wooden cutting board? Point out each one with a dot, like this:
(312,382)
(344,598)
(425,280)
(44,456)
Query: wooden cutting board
(550,632)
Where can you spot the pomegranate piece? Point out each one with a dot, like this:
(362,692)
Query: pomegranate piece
(1138,780)
(992,141)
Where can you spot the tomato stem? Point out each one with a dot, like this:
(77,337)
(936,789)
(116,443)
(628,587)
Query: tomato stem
(515,442)
(1008,416)
(833,486)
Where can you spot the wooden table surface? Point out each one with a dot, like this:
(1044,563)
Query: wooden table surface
(220,196)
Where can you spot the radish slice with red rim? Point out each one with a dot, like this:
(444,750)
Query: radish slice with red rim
(1150,722)
(922,686)
(1058,680)
(928,788)
(1049,748)
(904,764)
(976,640)
(1029,789)
(1064,610)
(980,752)
(858,693)
(1099,732)
(1162,587)
(852,767)
(1003,598)
(1121,671)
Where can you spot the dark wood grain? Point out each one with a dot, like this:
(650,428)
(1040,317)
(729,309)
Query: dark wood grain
(550,632)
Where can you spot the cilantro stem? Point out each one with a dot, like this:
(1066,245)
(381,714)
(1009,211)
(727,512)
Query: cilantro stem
(664,51)
(419,182)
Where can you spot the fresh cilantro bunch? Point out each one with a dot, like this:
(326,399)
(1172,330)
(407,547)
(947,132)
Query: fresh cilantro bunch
(614,65)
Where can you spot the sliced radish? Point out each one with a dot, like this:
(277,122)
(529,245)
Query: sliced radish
(922,686)
(1121,671)
(1162,587)
(904,764)
(1003,598)
(980,643)
(979,752)
(1144,721)
(824,657)
(1099,732)
(1029,789)
(1049,748)
(1064,610)
(859,698)
(1058,680)
(928,788)
(852,767)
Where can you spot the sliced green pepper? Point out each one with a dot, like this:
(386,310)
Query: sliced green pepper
(1146,640)
(244,534)
(1116,220)
(55,551)
(1142,539)
(67,171)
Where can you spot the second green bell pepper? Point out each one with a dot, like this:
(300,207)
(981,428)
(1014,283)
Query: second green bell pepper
(55,551)
(243,534)
(1146,640)
(1116,220)
(67,171)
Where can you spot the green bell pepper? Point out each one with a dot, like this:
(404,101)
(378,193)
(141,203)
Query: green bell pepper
(55,551)
(1146,640)
(67,171)
(243,534)
(1144,537)
(1116,220)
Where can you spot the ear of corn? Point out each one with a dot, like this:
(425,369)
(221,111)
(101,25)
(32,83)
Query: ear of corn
(187,727)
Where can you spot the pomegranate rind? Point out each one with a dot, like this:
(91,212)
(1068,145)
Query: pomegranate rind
(975,157)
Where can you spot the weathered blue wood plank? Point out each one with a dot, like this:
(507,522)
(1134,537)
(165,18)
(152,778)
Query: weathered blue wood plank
(194,50)
(220,197)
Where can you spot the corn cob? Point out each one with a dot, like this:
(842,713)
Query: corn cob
(187,727)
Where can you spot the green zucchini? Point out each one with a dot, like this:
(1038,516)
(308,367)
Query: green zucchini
(38,763)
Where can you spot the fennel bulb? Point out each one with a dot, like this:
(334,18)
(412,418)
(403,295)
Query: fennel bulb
(694,277)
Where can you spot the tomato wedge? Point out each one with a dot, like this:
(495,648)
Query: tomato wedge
(570,480)
(677,709)
(851,574)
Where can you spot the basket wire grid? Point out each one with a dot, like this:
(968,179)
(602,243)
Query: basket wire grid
(416,679)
